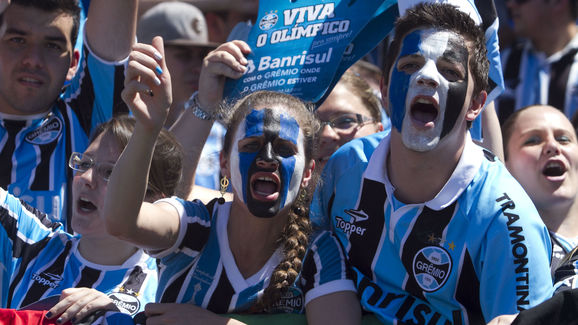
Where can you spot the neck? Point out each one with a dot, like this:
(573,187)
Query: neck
(252,239)
(419,176)
(550,45)
(105,250)
(561,220)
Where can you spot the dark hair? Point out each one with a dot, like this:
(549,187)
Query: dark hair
(508,129)
(295,236)
(167,161)
(573,9)
(68,7)
(443,17)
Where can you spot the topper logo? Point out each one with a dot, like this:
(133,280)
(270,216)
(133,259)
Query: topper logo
(349,227)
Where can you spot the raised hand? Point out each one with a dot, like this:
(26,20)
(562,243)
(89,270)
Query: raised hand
(226,61)
(147,86)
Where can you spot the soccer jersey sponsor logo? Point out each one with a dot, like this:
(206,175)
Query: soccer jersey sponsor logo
(291,302)
(349,227)
(127,303)
(519,250)
(48,132)
(47,279)
(431,267)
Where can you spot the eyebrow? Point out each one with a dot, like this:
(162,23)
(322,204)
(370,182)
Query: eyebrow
(16,31)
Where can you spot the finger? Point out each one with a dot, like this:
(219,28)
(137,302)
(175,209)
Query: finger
(137,71)
(133,87)
(224,64)
(149,50)
(67,297)
(144,59)
(239,49)
(165,76)
(152,309)
(98,302)
(72,305)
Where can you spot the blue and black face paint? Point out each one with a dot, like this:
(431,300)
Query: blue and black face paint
(267,170)
(427,59)
(457,92)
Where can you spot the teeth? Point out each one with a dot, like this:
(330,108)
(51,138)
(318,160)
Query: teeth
(553,164)
(30,80)
(83,200)
(266,179)
(424,101)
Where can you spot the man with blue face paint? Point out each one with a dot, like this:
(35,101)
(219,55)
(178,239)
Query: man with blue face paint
(266,163)
(435,228)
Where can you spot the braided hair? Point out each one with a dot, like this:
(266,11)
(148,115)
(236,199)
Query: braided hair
(294,239)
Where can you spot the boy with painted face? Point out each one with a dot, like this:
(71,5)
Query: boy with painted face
(436,229)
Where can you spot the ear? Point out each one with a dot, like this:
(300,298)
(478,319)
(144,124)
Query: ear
(224,164)
(307,174)
(384,98)
(476,106)
(73,65)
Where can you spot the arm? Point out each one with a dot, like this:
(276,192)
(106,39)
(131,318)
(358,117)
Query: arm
(111,28)
(147,92)
(227,61)
(344,306)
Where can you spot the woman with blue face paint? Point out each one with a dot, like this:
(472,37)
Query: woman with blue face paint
(251,255)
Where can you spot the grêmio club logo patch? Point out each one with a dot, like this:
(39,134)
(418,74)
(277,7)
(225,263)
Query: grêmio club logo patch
(431,267)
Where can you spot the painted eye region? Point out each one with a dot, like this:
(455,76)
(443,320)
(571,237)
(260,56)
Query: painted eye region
(435,62)
(271,162)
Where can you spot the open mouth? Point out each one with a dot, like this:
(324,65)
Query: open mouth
(85,205)
(265,187)
(554,169)
(424,110)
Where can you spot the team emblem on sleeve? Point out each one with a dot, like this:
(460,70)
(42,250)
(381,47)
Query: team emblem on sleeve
(48,132)
(431,267)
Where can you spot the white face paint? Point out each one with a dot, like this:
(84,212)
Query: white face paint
(267,161)
(430,64)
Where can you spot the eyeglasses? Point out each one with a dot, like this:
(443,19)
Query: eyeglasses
(347,122)
(82,163)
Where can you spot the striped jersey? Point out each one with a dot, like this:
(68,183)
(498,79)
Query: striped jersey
(34,150)
(200,268)
(477,250)
(561,246)
(39,260)
(532,78)
(566,274)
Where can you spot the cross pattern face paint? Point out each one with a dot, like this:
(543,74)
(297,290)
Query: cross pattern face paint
(428,87)
(267,161)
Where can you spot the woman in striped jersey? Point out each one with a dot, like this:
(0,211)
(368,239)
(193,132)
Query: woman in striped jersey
(90,270)
(251,255)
